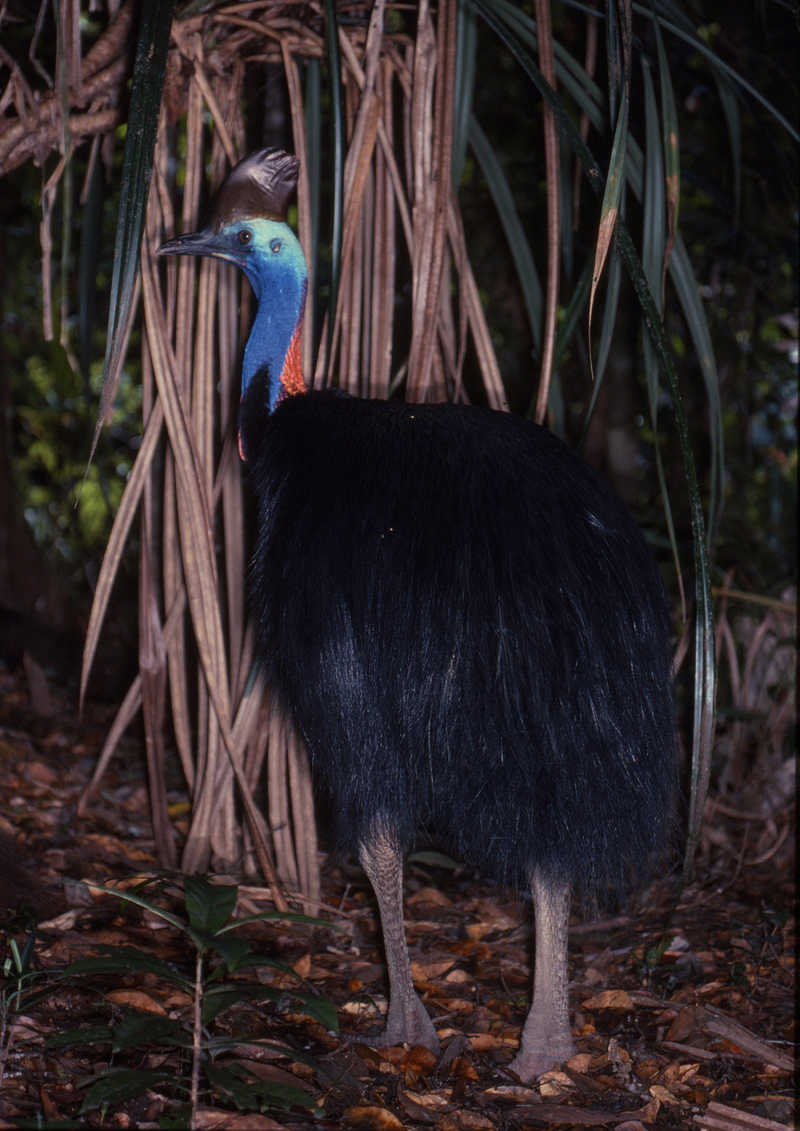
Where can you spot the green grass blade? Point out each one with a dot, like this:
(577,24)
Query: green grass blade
(654,249)
(91,223)
(566,212)
(466,51)
(651,362)
(137,165)
(672,156)
(619,77)
(566,331)
(611,197)
(572,315)
(682,275)
(587,94)
(730,108)
(336,94)
(282,917)
(313,112)
(684,281)
(128,896)
(515,235)
(606,329)
(705,665)
(612,58)
(654,239)
(609,311)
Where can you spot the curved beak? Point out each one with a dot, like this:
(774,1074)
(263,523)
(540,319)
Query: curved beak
(199,243)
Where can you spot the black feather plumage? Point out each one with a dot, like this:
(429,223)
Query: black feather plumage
(470,631)
(464,621)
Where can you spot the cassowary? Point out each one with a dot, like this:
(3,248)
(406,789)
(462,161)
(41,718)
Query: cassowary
(462,619)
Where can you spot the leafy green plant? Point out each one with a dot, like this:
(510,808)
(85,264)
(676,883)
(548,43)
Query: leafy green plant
(219,957)
(18,991)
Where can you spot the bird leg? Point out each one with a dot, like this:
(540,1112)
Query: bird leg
(546,1039)
(407,1022)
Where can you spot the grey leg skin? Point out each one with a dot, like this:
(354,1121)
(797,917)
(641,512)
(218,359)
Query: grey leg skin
(546,1039)
(408,1021)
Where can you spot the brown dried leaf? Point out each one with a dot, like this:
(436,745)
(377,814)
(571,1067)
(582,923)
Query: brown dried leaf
(421,1060)
(465,1121)
(302,966)
(429,895)
(664,1095)
(372,1118)
(417,1106)
(688,1021)
(208,1119)
(463,1069)
(422,970)
(610,999)
(273,1074)
(484,1042)
(136,999)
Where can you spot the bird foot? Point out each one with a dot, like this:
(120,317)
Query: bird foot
(536,1058)
(408,1023)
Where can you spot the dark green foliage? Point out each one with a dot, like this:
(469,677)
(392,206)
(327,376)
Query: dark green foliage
(155,21)
(218,954)
(53,405)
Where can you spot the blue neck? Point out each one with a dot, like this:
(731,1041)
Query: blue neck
(281,301)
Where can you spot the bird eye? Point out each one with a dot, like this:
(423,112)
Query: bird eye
(276,246)
(245,236)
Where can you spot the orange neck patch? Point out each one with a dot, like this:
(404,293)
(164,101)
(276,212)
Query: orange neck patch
(292,381)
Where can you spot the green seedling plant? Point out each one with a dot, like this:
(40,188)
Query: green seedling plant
(18,992)
(218,955)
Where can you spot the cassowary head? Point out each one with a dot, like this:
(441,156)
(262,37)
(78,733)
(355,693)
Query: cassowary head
(248,228)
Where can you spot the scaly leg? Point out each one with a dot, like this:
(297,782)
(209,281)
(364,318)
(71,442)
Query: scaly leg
(546,1039)
(407,1022)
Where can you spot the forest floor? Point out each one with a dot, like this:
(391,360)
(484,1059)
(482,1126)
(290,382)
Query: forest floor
(683,1016)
